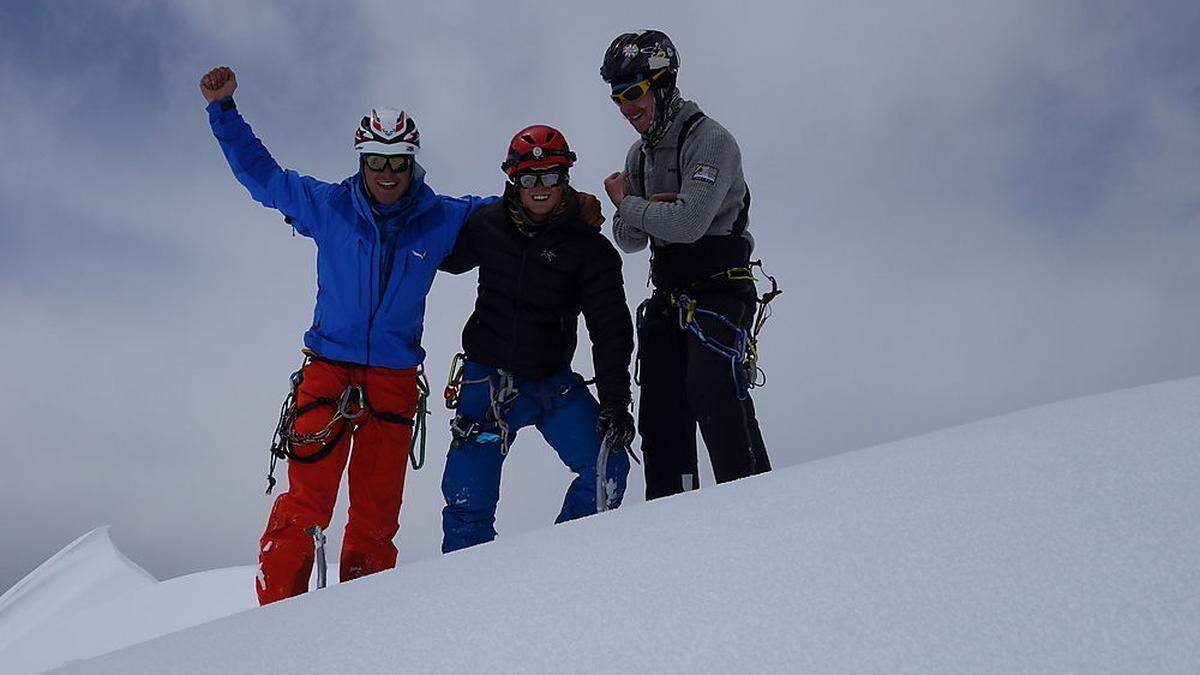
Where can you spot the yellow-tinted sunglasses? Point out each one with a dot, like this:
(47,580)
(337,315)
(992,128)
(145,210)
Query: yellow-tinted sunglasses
(631,92)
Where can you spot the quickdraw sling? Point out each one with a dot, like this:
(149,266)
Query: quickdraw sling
(742,351)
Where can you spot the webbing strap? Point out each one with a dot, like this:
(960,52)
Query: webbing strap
(420,423)
(743,217)
(683,134)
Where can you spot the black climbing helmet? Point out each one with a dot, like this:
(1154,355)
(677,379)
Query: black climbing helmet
(641,54)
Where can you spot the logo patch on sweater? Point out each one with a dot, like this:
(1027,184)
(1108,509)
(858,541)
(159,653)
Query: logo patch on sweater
(705,173)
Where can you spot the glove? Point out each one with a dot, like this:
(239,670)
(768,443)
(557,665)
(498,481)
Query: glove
(615,425)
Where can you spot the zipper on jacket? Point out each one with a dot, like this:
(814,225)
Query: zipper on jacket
(512,343)
(372,283)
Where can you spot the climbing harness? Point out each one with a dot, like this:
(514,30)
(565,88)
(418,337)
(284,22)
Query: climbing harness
(742,351)
(502,393)
(351,409)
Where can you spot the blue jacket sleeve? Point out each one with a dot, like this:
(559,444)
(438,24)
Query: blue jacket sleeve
(475,203)
(463,208)
(301,197)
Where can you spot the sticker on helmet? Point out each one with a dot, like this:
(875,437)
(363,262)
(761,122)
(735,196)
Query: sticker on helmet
(705,174)
(630,51)
(659,60)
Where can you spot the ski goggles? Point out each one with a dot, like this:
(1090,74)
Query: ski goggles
(628,93)
(399,163)
(531,179)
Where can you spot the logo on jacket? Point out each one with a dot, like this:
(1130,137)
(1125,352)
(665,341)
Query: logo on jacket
(549,255)
(705,173)
(419,254)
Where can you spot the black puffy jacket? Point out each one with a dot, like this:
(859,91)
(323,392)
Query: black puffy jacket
(534,280)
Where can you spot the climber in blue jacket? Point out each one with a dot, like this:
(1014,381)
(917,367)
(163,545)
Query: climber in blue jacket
(380,235)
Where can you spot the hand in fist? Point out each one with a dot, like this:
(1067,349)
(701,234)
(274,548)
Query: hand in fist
(616,185)
(218,83)
(615,425)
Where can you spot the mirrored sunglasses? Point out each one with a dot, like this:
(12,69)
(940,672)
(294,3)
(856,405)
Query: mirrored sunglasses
(530,179)
(399,163)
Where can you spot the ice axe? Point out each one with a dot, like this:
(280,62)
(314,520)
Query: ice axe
(607,445)
(602,473)
(318,536)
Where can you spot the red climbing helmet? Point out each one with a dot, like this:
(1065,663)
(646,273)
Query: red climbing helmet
(537,147)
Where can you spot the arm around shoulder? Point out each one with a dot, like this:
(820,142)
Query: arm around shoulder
(462,257)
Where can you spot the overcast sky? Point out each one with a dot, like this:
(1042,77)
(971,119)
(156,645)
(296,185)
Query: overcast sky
(972,207)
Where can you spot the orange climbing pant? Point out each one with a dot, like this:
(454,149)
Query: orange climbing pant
(377,452)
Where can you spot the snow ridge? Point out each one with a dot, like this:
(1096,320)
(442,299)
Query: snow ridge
(1059,538)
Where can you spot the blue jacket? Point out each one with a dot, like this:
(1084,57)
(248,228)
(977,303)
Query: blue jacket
(356,319)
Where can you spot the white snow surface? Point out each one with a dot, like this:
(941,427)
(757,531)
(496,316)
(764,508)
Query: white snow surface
(88,572)
(100,613)
(1061,538)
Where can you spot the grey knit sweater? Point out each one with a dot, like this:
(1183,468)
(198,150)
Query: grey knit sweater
(710,194)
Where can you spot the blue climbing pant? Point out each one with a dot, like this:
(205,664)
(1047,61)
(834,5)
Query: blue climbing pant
(562,408)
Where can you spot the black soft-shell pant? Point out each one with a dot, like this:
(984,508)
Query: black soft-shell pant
(684,383)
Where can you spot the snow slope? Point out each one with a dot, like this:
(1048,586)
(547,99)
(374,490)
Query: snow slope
(1061,538)
(85,613)
(89,571)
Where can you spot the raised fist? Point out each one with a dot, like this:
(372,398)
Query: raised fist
(616,185)
(218,83)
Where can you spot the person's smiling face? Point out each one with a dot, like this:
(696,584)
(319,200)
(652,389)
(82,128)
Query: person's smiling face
(387,185)
(639,112)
